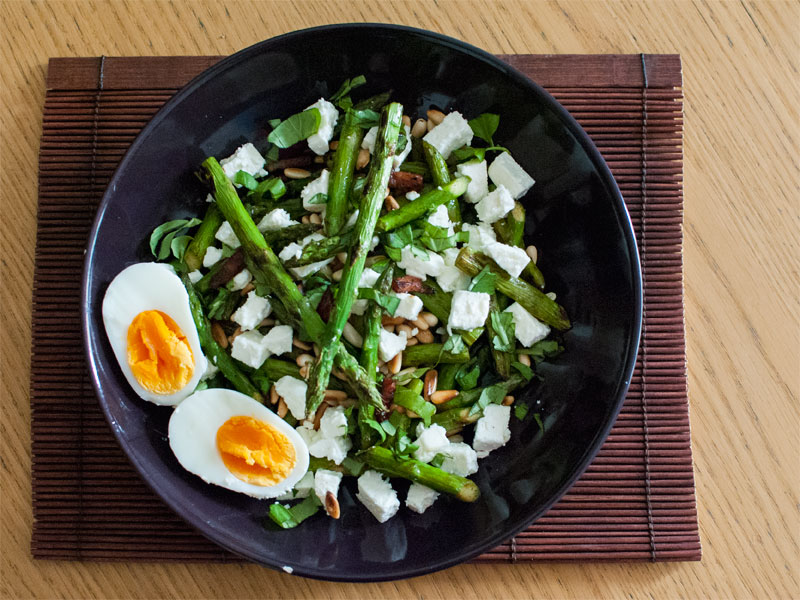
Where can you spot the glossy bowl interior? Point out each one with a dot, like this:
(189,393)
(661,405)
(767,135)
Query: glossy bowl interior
(577,219)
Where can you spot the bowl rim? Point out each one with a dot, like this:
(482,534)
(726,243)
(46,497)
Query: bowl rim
(218,536)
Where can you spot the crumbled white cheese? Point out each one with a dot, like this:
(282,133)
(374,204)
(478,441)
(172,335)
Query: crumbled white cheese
(479,183)
(368,143)
(275,220)
(359,307)
(409,307)
(254,310)
(391,344)
(460,459)
(226,235)
(326,481)
(412,195)
(278,340)
(318,186)
(211,370)
(369,278)
(377,495)
(351,334)
(248,347)
(420,498)
(480,235)
(495,205)
(419,267)
(398,159)
(331,440)
(468,310)
(440,218)
(247,159)
(328,117)
(301,489)
(288,569)
(333,423)
(491,430)
(431,442)
(334,449)
(212,256)
(290,250)
(452,278)
(452,133)
(210,198)
(507,172)
(240,280)
(306,270)
(512,259)
(351,220)
(195,276)
(527,328)
(293,392)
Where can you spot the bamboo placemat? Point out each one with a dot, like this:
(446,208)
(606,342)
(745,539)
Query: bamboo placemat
(636,501)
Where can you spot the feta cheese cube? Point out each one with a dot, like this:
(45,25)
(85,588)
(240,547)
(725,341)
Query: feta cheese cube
(460,459)
(290,250)
(368,143)
(507,172)
(452,133)
(226,235)
(275,220)
(391,344)
(306,270)
(211,370)
(212,256)
(479,183)
(369,278)
(468,310)
(495,205)
(480,235)
(248,348)
(491,431)
(359,307)
(440,218)
(419,267)
(293,392)
(279,339)
(398,159)
(512,259)
(328,117)
(318,186)
(431,442)
(420,498)
(240,280)
(452,278)
(247,159)
(351,220)
(333,423)
(377,495)
(195,276)
(326,481)
(334,449)
(210,198)
(301,489)
(409,307)
(254,310)
(527,328)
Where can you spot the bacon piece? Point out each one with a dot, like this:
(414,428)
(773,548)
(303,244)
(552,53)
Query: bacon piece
(229,269)
(294,162)
(387,393)
(325,305)
(408,284)
(403,181)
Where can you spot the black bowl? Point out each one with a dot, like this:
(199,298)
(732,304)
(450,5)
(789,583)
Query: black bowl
(577,219)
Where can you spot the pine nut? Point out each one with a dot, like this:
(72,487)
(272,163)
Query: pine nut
(235,334)
(316,351)
(454,435)
(273,395)
(342,257)
(524,359)
(431,379)
(218,333)
(387,320)
(300,344)
(406,121)
(404,328)
(391,204)
(337,395)
(532,252)
(351,335)
(295,173)
(419,129)
(442,396)
(318,415)
(425,337)
(551,295)
(371,260)
(304,360)
(337,275)
(247,289)
(508,400)
(318,160)
(411,342)
(421,324)
(332,505)
(363,158)
(436,116)
(430,318)
(430,124)
(334,145)
(304,220)
(399,409)
(282,408)
(411,414)
(304,372)
(267,322)
(315,219)
(396,363)
(389,328)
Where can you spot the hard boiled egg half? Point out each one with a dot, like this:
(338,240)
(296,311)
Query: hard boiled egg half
(150,327)
(230,440)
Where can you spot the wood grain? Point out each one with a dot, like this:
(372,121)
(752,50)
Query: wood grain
(741,255)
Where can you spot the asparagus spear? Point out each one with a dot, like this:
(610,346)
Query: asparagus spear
(196,250)
(441,177)
(422,205)
(213,350)
(344,164)
(530,298)
(267,268)
(372,325)
(510,230)
(382,459)
(377,180)
(430,354)
(470,397)
(321,249)
(439,303)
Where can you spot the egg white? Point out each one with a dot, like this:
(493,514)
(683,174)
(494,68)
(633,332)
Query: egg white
(193,439)
(150,286)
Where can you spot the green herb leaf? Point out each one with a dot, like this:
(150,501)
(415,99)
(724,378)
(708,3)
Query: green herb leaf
(296,128)
(493,394)
(484,126)
(179,244)
(524,370)
(273,123)
(411,400)
(467,376)
(437,461)
(521,411)
(400,238)
(166,228)
(542,350)
(288,518)
(387,302)
(372,423)
(538,418)
(484,282)
(274,186)
(467,153)
(388,427)
(244,178)
(272,154)
(366,118)
(406,377)
(454,344)
(503,327)
(348,85)
(319,198)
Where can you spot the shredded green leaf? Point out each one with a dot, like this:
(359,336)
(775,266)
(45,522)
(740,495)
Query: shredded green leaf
(521,411)
(166,232)
(348,85)
(296,128)
(244,178)
(387,302)
(503,327)
(484,282)
(468,375)
(274,186)
(484,126)
(493,394)
(524,370)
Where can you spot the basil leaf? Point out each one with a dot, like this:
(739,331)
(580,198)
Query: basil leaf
(454,344)
(411,400)
(319,198)
(388,427)
(296,128)
(387,302)
(273,123)
(493,394)
(484,282)
(272,154)
(524,370)
(538,418)
(468,153)
(178,246)
(274,186)
(244,178)
(348,85)
(503,327)
(376,426)
(400,238)
(521,411)
(393,253)
(484,126)
(166,228)
(406,377)
(542,350)
(467,378)
(437,460)
(366,118)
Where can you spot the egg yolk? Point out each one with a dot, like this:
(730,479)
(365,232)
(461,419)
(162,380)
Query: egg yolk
(254,451)
(158,353)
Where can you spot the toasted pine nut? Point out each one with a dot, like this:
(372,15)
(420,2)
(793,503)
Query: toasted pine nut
(267,322)
(235,334)
(442,396)
(454,436)
(347,403)
(425,337)
(389,328)
(331,505)
(318,415)
(406,121)
(337,275)
(342,257)
(218,333)
(247,289)
(295,173)
(318,160)
(273,395)
(551,295)
(300,344)
(352,336)
(334,145)
(387,320)
(412,341)
(411,414)
(431,379)
(508,400)
(390,203)
(430,318)
(421,324)
(420,128)
(404,328)
(304,220)
(316,350)
(430,125)
(315,219)
(436,116)
(304,360)
(337,395)
(304,371)
(371,260)
(524,359)
(533,253)
(396,363)
(398,408)
(282,408)
(363,158)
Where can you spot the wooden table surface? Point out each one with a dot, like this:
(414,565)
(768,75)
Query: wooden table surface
(742,188)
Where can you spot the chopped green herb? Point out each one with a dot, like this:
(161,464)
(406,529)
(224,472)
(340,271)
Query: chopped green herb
(503,327)
(244,178)
(166,232)
(484,282)
(296,128)
(524,370)
(484,126)
(520,411)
